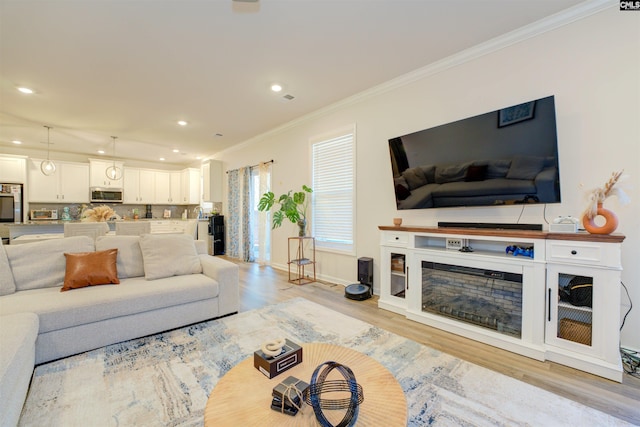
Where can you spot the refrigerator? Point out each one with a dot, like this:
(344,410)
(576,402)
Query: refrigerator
(216,235)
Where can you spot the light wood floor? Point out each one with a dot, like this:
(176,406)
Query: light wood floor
(261,286)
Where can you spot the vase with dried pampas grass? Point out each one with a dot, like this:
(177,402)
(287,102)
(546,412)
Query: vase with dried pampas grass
(97,214)
(595,208)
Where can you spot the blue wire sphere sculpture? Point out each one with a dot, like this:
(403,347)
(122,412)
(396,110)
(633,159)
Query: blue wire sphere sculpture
(319,385)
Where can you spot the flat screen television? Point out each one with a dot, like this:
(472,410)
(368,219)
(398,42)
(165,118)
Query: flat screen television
(504,157)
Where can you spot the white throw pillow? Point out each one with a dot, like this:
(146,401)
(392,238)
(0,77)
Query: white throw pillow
(129,261)
(7,285)
(42,264)
(166,255)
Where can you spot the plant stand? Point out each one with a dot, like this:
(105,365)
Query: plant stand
(297,258)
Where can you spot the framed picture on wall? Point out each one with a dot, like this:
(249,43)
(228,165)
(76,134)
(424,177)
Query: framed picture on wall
(517,113)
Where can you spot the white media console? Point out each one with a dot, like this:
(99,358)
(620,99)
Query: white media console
(548,296)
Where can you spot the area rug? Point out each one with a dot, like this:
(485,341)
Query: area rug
(165,379)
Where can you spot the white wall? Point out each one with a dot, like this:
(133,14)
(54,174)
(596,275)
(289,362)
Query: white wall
(592,66)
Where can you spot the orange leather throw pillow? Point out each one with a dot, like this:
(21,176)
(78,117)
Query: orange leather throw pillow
(90,269)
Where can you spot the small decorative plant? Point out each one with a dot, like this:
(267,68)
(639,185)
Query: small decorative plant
(293,206)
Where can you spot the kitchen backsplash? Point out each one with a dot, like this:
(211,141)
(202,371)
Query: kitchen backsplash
(157,211)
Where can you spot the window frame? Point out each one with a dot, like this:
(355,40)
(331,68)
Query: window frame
(321,243)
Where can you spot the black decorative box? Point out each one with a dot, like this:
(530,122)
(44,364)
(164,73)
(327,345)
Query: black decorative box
(280,391)
(272,366)
(285,397)
(283,408)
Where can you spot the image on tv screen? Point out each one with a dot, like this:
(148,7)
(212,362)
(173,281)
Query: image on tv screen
(504,157)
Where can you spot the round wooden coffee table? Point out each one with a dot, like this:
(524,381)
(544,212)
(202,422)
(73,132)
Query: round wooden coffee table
(243,396)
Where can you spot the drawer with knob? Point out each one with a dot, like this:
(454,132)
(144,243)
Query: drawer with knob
(594,254)
(395,239)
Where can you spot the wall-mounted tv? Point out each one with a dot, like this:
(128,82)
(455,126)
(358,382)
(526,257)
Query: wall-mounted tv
(504,157)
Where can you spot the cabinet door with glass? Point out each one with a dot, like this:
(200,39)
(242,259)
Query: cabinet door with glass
(579,305)
(395,279)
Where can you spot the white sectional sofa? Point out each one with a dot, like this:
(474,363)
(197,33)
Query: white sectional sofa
(165,282)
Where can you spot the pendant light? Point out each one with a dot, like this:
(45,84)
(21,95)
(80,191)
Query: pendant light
(113,172)
(47,166)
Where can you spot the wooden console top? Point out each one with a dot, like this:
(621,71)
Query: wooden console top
(532,234)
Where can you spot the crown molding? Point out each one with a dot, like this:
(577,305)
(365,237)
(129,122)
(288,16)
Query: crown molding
(549,23)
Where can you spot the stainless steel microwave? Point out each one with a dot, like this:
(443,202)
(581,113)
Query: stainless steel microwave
(106,195)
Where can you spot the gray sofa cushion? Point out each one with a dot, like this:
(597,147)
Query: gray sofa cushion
(414,177)
(420,198)
(497,168)
(7,285)
(451,173)
(429,172)
(59,310)
(169,255)
(525,167)
(129,261)
(50,267)
(491,187)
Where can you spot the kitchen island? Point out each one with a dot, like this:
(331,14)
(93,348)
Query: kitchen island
(32,231)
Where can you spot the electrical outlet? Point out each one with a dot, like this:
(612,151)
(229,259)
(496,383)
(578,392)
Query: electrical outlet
(453,243)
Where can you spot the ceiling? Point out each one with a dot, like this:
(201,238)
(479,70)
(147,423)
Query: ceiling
(133,68)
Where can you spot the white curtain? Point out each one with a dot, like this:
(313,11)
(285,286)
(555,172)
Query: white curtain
(263,219)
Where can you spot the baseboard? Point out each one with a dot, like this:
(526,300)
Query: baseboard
(319,277)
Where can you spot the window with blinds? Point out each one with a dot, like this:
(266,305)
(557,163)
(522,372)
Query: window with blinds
(333,197)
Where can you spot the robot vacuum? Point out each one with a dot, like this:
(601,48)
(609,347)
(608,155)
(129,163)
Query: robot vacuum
(357,292)
(362,290)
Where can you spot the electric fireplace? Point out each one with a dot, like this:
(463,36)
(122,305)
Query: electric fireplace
(490,299)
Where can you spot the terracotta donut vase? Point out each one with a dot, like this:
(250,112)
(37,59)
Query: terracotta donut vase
(610,225)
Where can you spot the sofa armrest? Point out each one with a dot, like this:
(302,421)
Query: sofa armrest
(18,334)
(545,183)
(227,275)
(201,247)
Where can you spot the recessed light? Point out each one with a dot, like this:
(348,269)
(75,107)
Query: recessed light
(182,122)
(175,150)
(162,159)
(15,141)
(276,87)
(25,90)
(198,157)
(100,151)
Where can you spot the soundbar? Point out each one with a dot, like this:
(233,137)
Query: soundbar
(490,225)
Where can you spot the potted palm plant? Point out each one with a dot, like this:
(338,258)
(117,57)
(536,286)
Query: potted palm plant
(293,206)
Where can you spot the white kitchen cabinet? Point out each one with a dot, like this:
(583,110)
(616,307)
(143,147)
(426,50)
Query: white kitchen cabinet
(175,187)
(98,177)
(190,194)
(131,185)
(139,186)
(172,226)
(212,181)
(162,187)
(13,170)
(167,187)
(69,183)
